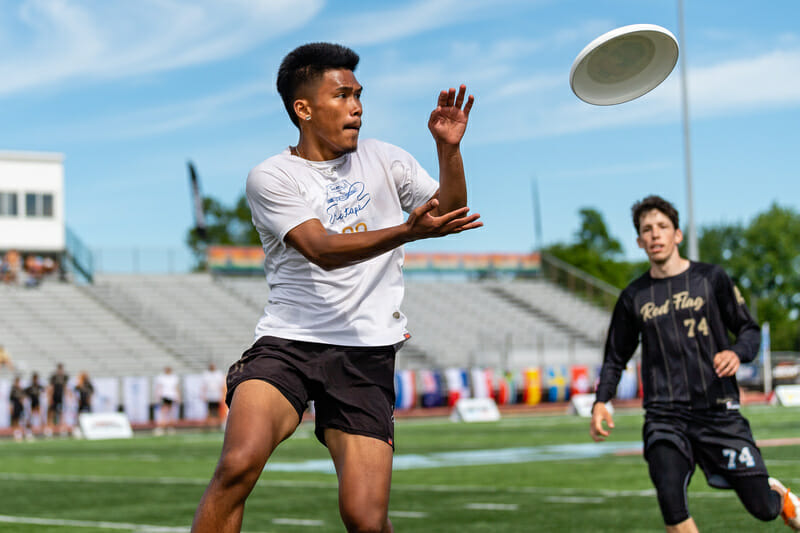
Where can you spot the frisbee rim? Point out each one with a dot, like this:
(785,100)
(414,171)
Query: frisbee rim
(580,91)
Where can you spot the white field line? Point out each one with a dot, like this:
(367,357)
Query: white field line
(139,528)
(408,514)
(296,522)
(492,506)
(398,487)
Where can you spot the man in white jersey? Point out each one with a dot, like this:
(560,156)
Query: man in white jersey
(213,393)
(167,386)
(329,211)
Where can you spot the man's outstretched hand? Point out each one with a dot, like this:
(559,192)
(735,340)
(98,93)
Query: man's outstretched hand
(422,224)
(448,121)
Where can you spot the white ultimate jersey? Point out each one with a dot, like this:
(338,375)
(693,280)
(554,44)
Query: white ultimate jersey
(369,189)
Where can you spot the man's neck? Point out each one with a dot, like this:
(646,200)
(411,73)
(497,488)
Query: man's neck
(671,267)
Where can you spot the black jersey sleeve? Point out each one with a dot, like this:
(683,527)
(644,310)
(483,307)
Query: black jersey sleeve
(621,343)
(737,318)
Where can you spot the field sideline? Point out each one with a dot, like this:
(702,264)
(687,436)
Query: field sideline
(522,474)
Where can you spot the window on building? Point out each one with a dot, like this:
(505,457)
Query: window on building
(47,205)
(38,205)
(8,204)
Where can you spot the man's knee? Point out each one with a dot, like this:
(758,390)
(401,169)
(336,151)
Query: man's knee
(670,472)
(364,520)
(757,497)
(238,467)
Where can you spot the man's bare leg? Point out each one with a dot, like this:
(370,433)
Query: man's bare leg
(364,468)
(687,526)
(260,418)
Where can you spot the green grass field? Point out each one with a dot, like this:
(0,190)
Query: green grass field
(516,475)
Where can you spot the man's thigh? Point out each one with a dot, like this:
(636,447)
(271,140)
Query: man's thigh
(364,468)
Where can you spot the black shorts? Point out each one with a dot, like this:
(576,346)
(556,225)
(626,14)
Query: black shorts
(17,410)
(213,408)
(718,440)
(352,387)
(57,406)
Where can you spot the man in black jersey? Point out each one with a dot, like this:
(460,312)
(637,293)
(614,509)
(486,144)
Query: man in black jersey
(682,311)
(56,390)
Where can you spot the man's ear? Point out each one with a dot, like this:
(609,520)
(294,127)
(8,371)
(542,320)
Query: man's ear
(640,242)
(678,236)
(302,108)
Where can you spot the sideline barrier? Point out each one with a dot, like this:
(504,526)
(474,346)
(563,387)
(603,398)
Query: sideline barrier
(97,426)
(475,410)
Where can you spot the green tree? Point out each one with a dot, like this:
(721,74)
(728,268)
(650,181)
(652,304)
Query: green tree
(224,225)
(596,252)
(763,258)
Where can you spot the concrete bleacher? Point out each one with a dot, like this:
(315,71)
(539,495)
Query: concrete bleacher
(60,322)
(135,324)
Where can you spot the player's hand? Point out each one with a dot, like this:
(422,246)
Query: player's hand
(600,415)
(726,363)
(448,121)
(423,225)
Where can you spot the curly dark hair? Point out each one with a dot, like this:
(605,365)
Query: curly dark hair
(308,63)
(650,203)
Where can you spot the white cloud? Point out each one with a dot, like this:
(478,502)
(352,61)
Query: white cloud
(376,27)
(730,88)
(57,40)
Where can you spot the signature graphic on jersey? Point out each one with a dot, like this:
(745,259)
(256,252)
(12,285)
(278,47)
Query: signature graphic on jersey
(680,300)
(345,200)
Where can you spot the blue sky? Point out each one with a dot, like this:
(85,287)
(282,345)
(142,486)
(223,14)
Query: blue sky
(129,91)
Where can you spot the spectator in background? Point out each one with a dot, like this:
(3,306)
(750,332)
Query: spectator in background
(85,391)
(17,400)
(34,392)
(55,392)
(12,264)
(214,393)
(5,359)
(168,392)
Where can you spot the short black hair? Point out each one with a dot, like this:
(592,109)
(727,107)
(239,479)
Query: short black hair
(307,63)
(650,203)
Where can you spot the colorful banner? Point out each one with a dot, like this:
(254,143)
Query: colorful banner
(556,384)
(136,394)
(194,405)
(469,262)
(532,386)
(106,395)
(248,260)
(628,387)
(405,389)
(457,385)
(5,405)
(482,386)
(432,388)
(579,382)
(506,389)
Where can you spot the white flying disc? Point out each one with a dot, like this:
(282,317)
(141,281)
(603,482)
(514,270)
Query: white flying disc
(623,64)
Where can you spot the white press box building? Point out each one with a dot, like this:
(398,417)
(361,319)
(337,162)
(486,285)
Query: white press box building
(32,203)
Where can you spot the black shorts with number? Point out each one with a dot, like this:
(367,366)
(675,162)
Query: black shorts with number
(718,440)
(352,387)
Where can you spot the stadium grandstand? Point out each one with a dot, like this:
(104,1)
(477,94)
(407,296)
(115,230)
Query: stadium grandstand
(500,325)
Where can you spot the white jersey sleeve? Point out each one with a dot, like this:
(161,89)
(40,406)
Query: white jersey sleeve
(277,202)
(414,185)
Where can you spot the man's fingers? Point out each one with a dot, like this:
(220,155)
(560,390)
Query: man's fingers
(460,97)
(451,96)
(468,107)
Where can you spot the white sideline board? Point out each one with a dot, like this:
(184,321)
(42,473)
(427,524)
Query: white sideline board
(788,395)
(96,426)
(475,410)
(581,405)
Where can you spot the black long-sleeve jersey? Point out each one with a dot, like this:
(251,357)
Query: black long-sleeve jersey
(683,321)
